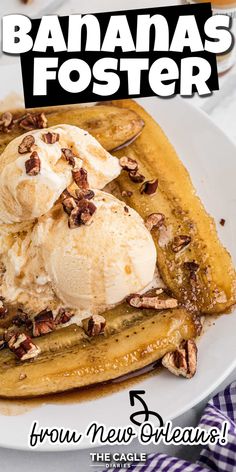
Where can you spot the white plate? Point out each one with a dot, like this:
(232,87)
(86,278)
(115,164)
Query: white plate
(210,157)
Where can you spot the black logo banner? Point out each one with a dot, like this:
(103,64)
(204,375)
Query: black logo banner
(124,54)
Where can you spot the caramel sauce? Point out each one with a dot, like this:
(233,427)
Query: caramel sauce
(16,407)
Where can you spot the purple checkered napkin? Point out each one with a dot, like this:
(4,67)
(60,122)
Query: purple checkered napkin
(214,457)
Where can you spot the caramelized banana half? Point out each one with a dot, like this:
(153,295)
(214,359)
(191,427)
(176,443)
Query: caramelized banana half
(113,127)
(69,358)
(192,261)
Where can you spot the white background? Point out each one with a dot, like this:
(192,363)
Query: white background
(222,108)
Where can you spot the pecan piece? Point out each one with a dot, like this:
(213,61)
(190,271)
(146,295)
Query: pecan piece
(183,361)
(43,323)
(6,119)
(32,121)
(41,120)
(128,164)
(149,187)
(152,302)
(155,220)
(180,242)
(63,316)
(80,177)
(33,164)
(23,346)
(26,144)
(94,325)
(136,177)
(222,222)
(69,203)
(50,137)
(27,123)
(82,214)
(86,193)
(69,156)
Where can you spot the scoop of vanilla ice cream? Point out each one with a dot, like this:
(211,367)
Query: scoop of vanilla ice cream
(24,197)
(88,268)
(97,265)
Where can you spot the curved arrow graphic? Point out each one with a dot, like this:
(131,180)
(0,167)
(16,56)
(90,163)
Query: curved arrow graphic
(145,412)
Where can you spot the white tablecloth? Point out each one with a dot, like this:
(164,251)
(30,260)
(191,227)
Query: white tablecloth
(222,108)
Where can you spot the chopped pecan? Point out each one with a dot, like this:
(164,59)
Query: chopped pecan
(149,187)
(180,242)
(183,361)
(86,193)
(63,316)
(32,121)
(128,164)
(222,222)
(50,137)
(43,323)
(33,164)
(6,119)
(3,310)
(80,177)
(69,203)
(155,220)
(152,302)
(41,120)
(136,177)
(82,214)
(18,120)
(126,193)
(69,156)
(26,144)
(23,346)
(27,123)
(94,325)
